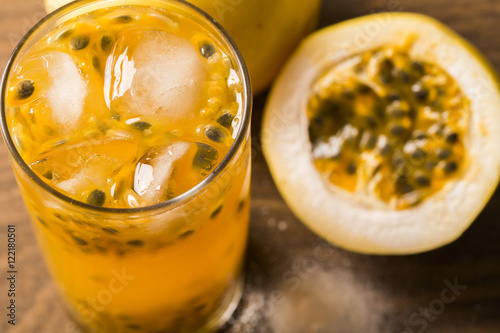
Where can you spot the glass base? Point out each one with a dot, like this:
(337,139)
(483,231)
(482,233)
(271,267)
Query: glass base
(233,297)
(231,300)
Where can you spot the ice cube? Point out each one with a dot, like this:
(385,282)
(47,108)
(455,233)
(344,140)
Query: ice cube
(152,173)
(78,168)
(67,91)
(162,75)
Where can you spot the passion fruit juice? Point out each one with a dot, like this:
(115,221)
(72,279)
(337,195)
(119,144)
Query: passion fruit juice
(128,128)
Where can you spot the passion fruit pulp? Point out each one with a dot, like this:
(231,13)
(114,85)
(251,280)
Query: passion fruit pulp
(389,146)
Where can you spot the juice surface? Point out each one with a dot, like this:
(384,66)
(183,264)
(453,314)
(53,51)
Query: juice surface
(127,107)
(104,99)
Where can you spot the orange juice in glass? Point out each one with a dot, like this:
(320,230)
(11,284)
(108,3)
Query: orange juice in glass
(127,124)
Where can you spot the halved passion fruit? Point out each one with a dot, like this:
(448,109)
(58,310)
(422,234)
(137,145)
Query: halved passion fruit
(383,134)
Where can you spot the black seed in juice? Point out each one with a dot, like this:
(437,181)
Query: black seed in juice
(351,168)
(136,243)
(421,94)
(419,135)
(79,42)
(452,138)
(207,50)
(216,212)
(106,43)
(371,121)
(109,230)
(242,203)
(394,97)
(363,89)
(406,188)
(65,34)
(418,154)
(397,129)
(450,167)
(443,154)
(398,113)
(186,234)
(225,119)
(96,63)
(418,67)
(141,125)
(401,75)
(348,94)
(115,115)
(48,175)
(134,327)
(124,19)
(96,198)
(386,150)
(318,122)
(42,222)
(25,89)
(200,307)
(80,241)
(328,107)
(423,181)
(206,157)
(215,134)
(101,249)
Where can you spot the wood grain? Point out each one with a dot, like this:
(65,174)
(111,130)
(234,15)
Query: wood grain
(295,282)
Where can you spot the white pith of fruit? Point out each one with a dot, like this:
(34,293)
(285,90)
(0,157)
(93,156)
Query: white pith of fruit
(343,219)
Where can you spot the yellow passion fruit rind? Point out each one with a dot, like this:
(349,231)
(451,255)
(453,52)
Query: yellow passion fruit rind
(385,141)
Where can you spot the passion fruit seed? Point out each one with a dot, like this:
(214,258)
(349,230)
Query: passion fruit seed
(79,241)
(48,175)
(215,134)
(115,115)
(226,119)
(25,89)
(452,138)
(141,125)
(109,230)
(351,168)
(136,243)
(397,129)
(124,19)
(96,63)
(443,153)
(96,198)
(42,222)
(450,167)
(393,97)
(351,118)
(421,94)
(134,327)
(65,34)
(418,67)
(79,42)
(207,50)
(216,212)
(422,180)
(206,157)
(106,43)
(186,234)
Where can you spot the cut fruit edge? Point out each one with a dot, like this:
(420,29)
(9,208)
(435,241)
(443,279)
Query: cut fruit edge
(342,219)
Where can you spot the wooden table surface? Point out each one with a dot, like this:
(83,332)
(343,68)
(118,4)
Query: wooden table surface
(295,282)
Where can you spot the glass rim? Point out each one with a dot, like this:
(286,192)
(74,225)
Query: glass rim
(184,197)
